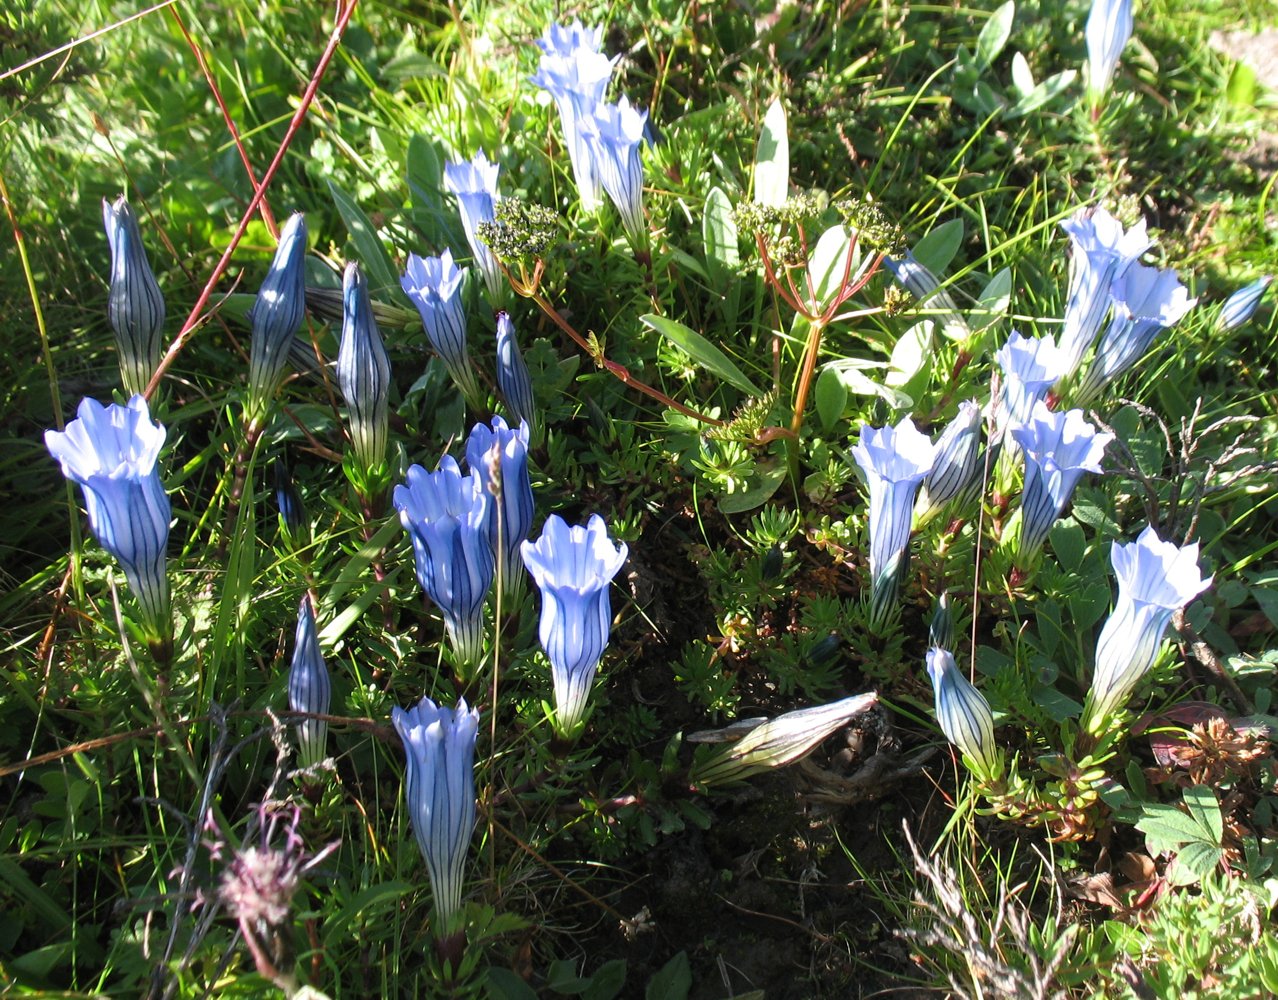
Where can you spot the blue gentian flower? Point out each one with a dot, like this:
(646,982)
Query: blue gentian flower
(474,184)
(1155,579)
(1146,301)
(957,470)
(513,380)
(439,744)
(135,306)
(111,452)
(895,461)
(446,515)
(276,316)
(434,285)
(1059,448)
(576,75)
(964,716)
(1100,250)
(503,450)
(919,281)
(1030,366)
(363,373)
(615,134)
(1109,27)
(1240,306)
(309,689)
(573,568)
(940,630)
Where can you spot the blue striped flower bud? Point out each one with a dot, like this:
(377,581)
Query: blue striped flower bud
(1240,306)
(439,792)
(573,568)
(111,452)
(964,716)
(446,515)
(135,306)
(434,284)
(513,380)
(363,373)
(498,458)
(957,471)
(1155,579)
(309,689)
(1109,28)
(276,316)
(912,275)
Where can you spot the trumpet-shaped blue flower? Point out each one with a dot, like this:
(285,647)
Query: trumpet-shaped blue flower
(309,689)
(1100,250)
(1155,579)
(1030,366)
(1059,448)
(964,716)
(111,452)
(1109,27)
(513,380)
(575,74)
(474,184)
(912,275)
(573,567)
(1147,300)
(957,470)
(276,316)
(135,306)
(1240,306)
(498,458)
(895,460)
(440,792)
(434,285)
(446,515)
(615,134)
(363,373)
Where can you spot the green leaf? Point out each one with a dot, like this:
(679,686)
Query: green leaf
(672,981)
(383,277)
(723,254)
(993,301)
(1194,862)
(935,250)
(701,351)
(1044,92)
(851,372)
(831,398)
(607,981)
(772,159)
(994,35)
(1166,828)
(502,984)
(1205,809)
(911,353)
(762,485)
(1069,543)
(1241,89)
(1022,78)
(829,262)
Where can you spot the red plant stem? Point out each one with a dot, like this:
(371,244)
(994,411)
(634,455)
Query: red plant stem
(345,11)
(267,217)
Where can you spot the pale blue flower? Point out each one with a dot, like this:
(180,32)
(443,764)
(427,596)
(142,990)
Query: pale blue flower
(276,316)
(1155,579)
(964,716)
(503,450)
(1240,306)
(895,461)
(573,567)
(474,184)
(1109,27)
(363,373)
(940,630)
(439,744)
(513,381)
(957,471)
(434,284)
(1030,366)
(1059,448)
(309,688)
(576,75)
(111,452)
(912,275)
(1146,301)
(615,134)
(135,306)
(446,515)
(1100,250)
